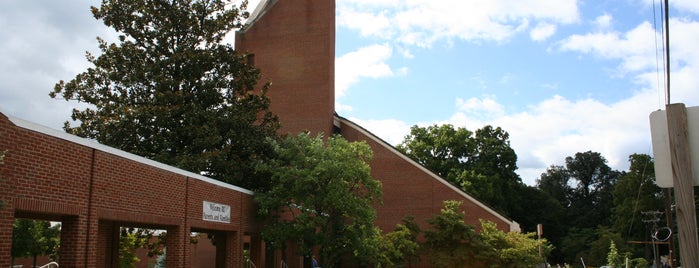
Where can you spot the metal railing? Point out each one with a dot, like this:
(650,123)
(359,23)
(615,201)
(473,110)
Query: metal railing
(50,265)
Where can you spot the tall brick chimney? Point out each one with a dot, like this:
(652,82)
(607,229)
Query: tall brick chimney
(293,42)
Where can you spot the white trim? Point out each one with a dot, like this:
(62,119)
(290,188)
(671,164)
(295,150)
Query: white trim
(259,11)
(514,226)
(101,147)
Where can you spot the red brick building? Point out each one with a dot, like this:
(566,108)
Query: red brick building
(293,43)
(93,190)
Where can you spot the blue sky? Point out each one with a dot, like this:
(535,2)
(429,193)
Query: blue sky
(561,76)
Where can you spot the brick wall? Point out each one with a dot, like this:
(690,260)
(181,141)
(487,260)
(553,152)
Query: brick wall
(93,189)
(294,46)
(410,189)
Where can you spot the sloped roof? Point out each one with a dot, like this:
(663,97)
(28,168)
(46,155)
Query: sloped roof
(514,226)
(260,10)
(111,150)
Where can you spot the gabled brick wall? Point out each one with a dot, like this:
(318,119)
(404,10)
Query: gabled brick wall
(293,42)
(294,46)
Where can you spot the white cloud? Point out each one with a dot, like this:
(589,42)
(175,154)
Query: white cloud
(542,31)
(551,130)
(546,132)
(603,22)
(365,62)
(423,22)
(480,108)
(390,130)
(368,24)
(340,108)
(636,48)
(636,52)
(686,5)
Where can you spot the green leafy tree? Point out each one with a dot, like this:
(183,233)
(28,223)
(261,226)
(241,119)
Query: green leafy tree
(512,249)
(591,199)
(401,246)
(451,242)
(132,239)
(613,257)
(32,238)
(482,163)
(555,183)
(322,197)
(576,244)
(599,248)
(129,241)
(634,193)
(172,91)
(584,187)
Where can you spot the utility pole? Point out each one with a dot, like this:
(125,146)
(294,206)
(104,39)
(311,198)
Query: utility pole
(681,162)
(669,223)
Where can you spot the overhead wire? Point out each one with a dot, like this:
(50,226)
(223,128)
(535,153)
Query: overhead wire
(658,47)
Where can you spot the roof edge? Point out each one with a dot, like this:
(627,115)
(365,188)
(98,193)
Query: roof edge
(514,226)
(260,10)
(111,150)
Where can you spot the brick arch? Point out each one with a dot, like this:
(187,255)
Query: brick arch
(91,188)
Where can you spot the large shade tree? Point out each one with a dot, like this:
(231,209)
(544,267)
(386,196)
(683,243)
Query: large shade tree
(322,198)
(635,193)
(171,90)
(584,188)
(482,163)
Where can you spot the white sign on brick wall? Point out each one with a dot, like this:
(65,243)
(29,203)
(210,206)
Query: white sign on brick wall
(217,212)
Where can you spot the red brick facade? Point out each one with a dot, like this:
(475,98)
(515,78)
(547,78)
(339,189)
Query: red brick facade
(94,189)
(293,42)
(294,46)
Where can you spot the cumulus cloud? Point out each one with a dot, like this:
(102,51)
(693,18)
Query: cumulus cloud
(390,130)
(635,48)
(546,132)
(542,31)
(367,61)
(603,22)
(423,22)
(44,42)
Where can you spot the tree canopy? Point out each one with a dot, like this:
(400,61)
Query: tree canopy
(172,91)
(451,242)
(32,238)
(482,163)
(322,197)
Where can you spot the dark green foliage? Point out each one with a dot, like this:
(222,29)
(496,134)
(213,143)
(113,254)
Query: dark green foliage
(171,91)
(511,249)
(32,238)
(400,246)
(591,200)
(600,205)
(131,239)
(634,193)
(322,197)
(451,242)
(482,163)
